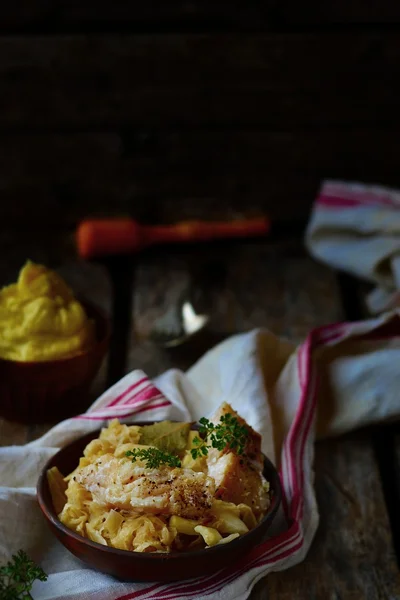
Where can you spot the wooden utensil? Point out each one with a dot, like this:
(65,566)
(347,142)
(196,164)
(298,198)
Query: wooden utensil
(103,237)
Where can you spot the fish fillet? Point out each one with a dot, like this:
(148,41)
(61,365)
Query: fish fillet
(121,484)
(238,478)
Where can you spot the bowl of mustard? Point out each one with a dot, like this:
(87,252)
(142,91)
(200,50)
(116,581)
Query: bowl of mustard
(51,347)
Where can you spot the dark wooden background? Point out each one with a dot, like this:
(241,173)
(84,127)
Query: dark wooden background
(190,108)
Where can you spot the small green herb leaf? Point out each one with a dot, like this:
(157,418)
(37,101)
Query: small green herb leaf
(18,576)
(228,433)
(154,457)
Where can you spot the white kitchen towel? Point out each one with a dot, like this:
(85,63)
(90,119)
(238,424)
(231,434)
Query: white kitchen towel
(356,228)
(343,376)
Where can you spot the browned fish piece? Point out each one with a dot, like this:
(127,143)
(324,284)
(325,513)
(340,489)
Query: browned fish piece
(238,481)
(121,484)
(252,448)
(238,478)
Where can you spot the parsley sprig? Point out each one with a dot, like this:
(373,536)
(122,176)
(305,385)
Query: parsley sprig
(17,577)
(228,433)
(154,457)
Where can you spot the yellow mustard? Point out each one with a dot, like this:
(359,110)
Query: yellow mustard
(40,319)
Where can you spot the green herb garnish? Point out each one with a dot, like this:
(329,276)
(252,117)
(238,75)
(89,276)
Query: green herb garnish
(154,457)
(228,433)
(17,577)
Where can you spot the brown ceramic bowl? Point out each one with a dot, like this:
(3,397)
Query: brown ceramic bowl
(49,391)
(137,566)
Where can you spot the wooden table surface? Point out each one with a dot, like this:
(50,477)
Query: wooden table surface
(244,285)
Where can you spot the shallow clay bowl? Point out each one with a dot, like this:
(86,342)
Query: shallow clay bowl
(49,391)
(138,566)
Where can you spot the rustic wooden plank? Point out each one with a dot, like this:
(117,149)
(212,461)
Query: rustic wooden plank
(54,180)
(22,15)
(140,151)
(105,174)
(241,286)
(388,452)
(270,80)
(110,14)
(90,281)
(352,555)
(340,12)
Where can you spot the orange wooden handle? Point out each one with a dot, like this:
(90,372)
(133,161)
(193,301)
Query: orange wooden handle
(200,231)
(102,237)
